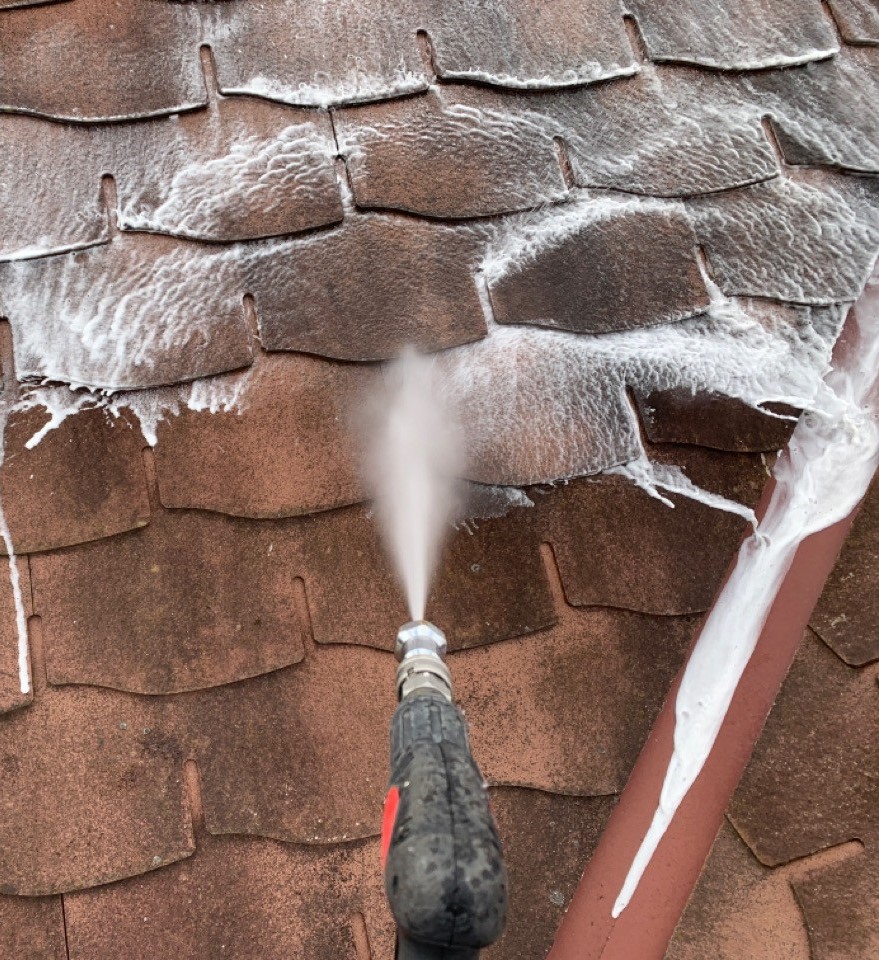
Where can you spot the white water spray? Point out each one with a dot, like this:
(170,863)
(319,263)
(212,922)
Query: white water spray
(413,461)
(821,477)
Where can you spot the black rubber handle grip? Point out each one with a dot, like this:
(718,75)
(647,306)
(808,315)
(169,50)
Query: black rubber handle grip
(444,870)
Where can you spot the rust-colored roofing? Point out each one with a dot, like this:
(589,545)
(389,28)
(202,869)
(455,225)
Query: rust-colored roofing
(200,201)
(793,873)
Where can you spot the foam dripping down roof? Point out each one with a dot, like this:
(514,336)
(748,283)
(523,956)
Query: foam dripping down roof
(631,249)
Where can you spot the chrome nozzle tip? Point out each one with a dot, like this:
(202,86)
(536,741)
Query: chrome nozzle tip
(420,636)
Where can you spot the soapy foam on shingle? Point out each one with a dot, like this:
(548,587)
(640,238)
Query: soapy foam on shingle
(521,239)
(356,86)
(560,386)
(201,194)
(653,477)
(563,393)
(104,328)
(221,394)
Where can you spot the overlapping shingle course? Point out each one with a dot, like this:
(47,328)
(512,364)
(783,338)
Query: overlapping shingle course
(805,807)
(194,600)
(357,198)
(846,615)
(812,780)
(736,34)
(83,481)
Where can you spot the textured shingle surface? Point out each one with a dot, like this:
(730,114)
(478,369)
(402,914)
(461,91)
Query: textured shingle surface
(216,220)
(847,614)
(793,870)
(736,34)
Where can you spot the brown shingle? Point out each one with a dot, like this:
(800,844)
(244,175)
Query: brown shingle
(813,780)
(841,907)
(847,614)
(526,43)
(548,841)
(84,480)
(88,61)
(32,927)
(738,477)
(618,546)
(858,20)
(586,280)
(825,113)
(490,584)
(140,311)
(740,909)
(364,291)
(791,240)
(50,192)
(454,152)
(299,754)
(519,392)
(343,52)
(191,601)
(736,34)
(91,792)
(237,897)
(243,169)
(287,451)
(558,695)
(711,420)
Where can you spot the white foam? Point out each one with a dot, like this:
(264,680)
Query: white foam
(356,86)
(820,478)
(521,239)
(587,71)
(541,405)
(773,62)
(116,322)
(221,394)
(203,193)
(653,477)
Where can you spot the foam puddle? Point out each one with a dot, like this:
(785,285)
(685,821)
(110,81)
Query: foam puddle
(821,477)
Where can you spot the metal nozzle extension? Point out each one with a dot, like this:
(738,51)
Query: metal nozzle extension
(421,650)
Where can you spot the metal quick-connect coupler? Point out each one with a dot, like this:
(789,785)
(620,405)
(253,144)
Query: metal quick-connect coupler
(421,650)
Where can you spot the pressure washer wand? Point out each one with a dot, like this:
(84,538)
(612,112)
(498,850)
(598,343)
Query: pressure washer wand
(444,871)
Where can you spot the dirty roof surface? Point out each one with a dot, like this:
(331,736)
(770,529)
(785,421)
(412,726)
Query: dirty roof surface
(216,219)
(794,873)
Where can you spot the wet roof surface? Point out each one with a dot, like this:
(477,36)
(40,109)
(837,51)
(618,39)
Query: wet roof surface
(794,872)
(621,233)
